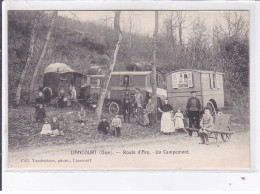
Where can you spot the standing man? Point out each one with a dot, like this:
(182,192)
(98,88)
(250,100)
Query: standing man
(193,109)
(138,98)
(126,106)
(47,93)
(73,95)
(62,95)
(150,110)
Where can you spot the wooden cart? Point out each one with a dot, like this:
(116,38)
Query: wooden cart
(222,127)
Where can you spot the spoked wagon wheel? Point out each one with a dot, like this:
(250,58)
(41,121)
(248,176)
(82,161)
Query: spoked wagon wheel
(212,108)
(113,108)
(225,136)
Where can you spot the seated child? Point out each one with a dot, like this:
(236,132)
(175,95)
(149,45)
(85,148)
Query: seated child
(139,114)
(56,127)
(40,114)
(206,123)
(178,120)
(82,115)
(116,123)
(103,126)
(46,128)
(146,121)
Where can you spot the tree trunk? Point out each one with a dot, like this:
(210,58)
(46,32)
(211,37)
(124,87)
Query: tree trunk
(130,33)
(38,65)
(171,33)
(153,80)
(180,34)
(103,92)
(28,62)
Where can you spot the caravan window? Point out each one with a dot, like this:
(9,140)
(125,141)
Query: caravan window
(212,78)
(215,80)
(126,81)
(95,81)
(158,80)
(182,80)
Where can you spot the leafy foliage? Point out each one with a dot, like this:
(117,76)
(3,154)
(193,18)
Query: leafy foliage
(83,44)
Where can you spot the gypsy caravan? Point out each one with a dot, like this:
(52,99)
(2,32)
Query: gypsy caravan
(130,80)
(59,75)
(120,82)
(207,84)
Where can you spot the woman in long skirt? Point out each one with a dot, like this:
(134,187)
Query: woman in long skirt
(167,125)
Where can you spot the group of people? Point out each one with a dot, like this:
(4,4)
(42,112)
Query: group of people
(46,94)
(64,99)
(170,122)
(116,124)
(144,114)
(49,127)
(44,98)
(143,111)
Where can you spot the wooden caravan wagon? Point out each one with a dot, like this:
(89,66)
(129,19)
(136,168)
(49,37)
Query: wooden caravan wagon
(58,76)
(130,80)
(91,85)
(207,84)
(120,82)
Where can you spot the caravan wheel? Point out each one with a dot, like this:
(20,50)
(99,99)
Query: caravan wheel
(113,108)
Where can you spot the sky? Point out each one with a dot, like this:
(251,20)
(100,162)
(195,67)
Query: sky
(143,21)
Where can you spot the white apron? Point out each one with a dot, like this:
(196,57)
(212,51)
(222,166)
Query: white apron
(167,125)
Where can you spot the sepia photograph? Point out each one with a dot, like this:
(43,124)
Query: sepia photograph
(128,90)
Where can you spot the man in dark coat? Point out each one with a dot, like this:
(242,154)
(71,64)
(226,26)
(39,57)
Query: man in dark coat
(103,126)
(47,92)
(40,114)
(126,106)
(62,95)
(40,99)
(193,109)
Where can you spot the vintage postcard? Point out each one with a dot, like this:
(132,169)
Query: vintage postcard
(128,90)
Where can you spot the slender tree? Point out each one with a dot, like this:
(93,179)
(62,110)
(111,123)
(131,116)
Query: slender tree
(153,80)
(39,63)
(110,69)
(181,20)
(29,59)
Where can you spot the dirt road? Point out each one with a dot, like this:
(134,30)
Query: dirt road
(163,152)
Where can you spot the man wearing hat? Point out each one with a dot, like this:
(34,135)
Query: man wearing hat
(193,109)
(126,106)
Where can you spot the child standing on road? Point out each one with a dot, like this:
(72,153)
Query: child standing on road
(178,120)
(116,123)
